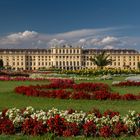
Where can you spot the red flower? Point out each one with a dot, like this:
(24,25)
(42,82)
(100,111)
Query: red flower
(105,131)
(101,95)
(56,125)
(111,113)
(89,129)
(72,129)
(96,112)
(6,127)
(129,97)
(119,129)
(32,127)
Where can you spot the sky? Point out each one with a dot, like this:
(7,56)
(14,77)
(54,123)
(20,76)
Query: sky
(110,24)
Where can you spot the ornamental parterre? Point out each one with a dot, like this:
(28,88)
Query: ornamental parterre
(127,83)
(67,89)
(70,122)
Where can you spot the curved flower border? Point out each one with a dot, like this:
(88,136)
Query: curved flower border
(127,83)
(67,89)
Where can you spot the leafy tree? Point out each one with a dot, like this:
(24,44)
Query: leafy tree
(101,60)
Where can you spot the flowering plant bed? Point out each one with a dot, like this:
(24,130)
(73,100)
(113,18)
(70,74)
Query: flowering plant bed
(7,78)
(69,122)
(91,72)
(127,83)
(67,89)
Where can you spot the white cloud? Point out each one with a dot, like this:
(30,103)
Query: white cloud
(109,40)
(90,38)
(16,38)
(56,42)
(22,35)
(102,42)
(106,41)
(108,47)
(82,33)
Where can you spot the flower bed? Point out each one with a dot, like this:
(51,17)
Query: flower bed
(127,83)
(105,71)
(69,122)
(67,89)
(7,78)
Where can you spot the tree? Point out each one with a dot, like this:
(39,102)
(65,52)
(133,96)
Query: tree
(1,63)
(101,60)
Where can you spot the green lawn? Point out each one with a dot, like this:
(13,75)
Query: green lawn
(52,137)
(9,99)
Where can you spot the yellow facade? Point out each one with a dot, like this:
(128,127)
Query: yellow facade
(66,57)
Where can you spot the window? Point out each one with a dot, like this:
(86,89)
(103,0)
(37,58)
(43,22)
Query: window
(78,63)
(67,63)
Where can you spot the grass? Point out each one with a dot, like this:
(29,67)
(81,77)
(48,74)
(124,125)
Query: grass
(9,99)
(52,137)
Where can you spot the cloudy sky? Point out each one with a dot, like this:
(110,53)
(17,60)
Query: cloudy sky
(88,23)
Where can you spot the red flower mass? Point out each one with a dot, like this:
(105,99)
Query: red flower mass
(67,89)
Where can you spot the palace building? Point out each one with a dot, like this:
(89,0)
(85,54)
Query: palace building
(66,57)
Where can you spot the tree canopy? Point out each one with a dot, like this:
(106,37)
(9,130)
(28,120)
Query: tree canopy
(101,60)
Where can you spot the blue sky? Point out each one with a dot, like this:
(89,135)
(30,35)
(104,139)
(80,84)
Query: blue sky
(89,23)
